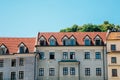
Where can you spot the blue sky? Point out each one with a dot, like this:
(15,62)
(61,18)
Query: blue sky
(25,18)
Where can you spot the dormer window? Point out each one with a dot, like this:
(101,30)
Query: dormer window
(42,41)
(52,41)
(97,41)
(87,41)
(65,41)
(23,48)
(3,49)
(72,41)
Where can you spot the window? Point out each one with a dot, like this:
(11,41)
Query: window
(13,62)
(98,55)
(51,72)
(65,42)
(113,47)
(1,75)
(114,72)
(98,71)
(97,42)
(52,55)
(52,42)
(2,50)
(41,72)
(21,49)
(72,55)
(113,60)
(21,62)
(42,42)
(87,55)
(13,75)
(72,71)
(65,70)
(1,63)
(41,55)
(21,74)
(87,42)
(87,71)
(72,42)
(65,55)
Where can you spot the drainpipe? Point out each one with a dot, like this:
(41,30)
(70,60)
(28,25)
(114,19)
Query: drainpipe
(79,70)
(35,66)
(104,54)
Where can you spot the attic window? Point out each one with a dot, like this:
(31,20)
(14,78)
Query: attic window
(87,42)
(22,49)
(97,41)
(42,41)
(52,41)
(3,49)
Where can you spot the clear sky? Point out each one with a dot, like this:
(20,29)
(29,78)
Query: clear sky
(25,18)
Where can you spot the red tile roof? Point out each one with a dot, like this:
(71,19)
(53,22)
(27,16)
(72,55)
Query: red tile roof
(78,35)
(13,43)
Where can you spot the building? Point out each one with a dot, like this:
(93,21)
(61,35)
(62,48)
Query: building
(17,59)
(71,55)
(113,55)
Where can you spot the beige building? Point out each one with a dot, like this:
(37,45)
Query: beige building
(72,55)
(113,55)
(17,59)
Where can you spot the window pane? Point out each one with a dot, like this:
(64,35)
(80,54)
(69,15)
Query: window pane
(1,63)
(72,42)
(87,55)
(72,71)
(65,70)
(21,49)
(52,55)
(113,60)
(41,72)
(113,47)
(87,42)
(2,50)
(98,55)
(72,55)
(13,62)
(21,62)
(21,74)
(13,75)
(52,42)
(87,71)
(65,55)
(51,72)
(98,42)
(114,72)
(1,75)
(98,71)
(41,55)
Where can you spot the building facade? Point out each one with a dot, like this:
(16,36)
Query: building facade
(17,59)
(78,56)
(113,55)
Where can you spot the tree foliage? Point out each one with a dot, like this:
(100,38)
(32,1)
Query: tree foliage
(92,27)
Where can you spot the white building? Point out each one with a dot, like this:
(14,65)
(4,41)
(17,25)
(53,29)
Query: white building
(72,55)
(17,59)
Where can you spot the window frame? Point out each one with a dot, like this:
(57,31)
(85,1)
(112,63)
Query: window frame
(72,55)
(113,59)
(1,63)
(87,42)
(13,75)
(97,55)
(51,71)
(114,73)
(41,55)
(21,61)
(51,55)
(98,72)
(65,55)
(65,70)
(41,71)
(87,55)
(72,70)
(21,74)
(87,71)
(113,47)
(13,62)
